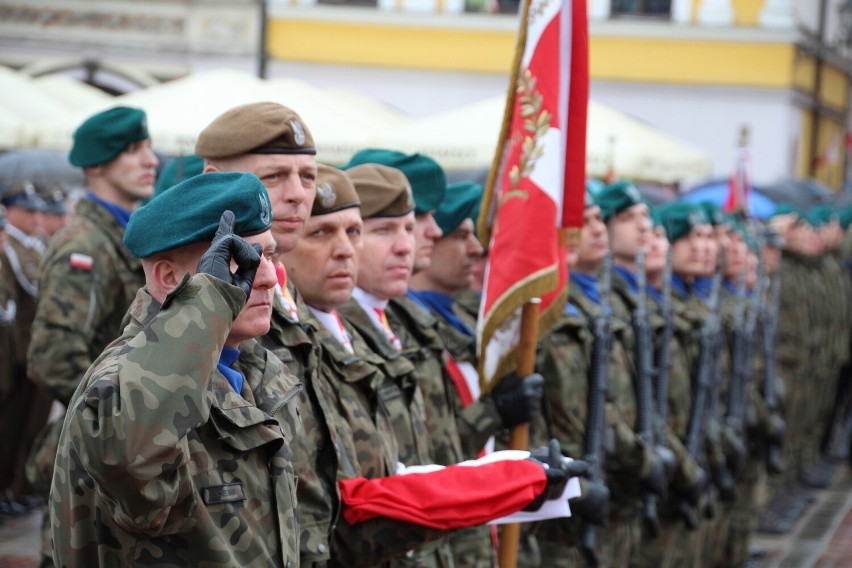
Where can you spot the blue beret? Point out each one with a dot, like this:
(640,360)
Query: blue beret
(427,178)
(616,197)
(107,134)
(189,212)
(460,202)
(680,217)
(177,170)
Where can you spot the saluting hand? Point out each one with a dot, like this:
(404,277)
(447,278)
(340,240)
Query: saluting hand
(227,246)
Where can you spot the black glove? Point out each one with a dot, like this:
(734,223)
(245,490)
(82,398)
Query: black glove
(555,470)
(657,480)
(518,400)
(593,504)
(226,246)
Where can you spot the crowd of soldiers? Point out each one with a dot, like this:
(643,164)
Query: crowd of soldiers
(253,350)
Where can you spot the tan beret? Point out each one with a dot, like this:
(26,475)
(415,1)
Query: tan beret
(255,128)
(383,191)
(334,191)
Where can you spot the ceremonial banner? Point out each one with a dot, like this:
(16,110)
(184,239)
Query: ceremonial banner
(536,186)
(739,182)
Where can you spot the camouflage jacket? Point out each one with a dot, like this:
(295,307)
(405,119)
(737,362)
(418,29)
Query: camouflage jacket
(20,258)
(161,462)
(423,345)
(628,459)
(88,281)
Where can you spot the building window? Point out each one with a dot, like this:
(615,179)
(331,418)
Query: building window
(653,8)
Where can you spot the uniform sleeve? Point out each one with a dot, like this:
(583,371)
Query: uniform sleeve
(73,301)
(128,429)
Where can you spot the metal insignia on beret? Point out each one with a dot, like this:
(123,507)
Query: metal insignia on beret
(29,188)
(409,202)
(265,216)
(695,218)
(633,192)
(298,131)
(326,194)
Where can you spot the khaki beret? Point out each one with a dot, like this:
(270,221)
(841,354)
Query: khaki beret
(334,191)
(255,128)
(383,191)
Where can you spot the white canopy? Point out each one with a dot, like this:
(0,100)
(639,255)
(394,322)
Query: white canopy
(466,138)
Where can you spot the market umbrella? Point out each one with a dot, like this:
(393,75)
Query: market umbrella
(759,205)
(44,168)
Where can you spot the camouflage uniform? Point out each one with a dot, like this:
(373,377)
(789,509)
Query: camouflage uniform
(628,458)
(25,408)
(80,311)
(457,432)
(188,472)
(665,550)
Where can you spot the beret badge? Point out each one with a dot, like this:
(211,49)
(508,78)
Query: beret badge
(265,215)
(326,194)
(298,132)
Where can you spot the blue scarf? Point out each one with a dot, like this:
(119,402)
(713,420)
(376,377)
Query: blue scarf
(122,216)
(730,286)
(702,287)
(229,355)
(571,310)
(654,293)
(629,279)
(441,304)
(588,285)
(680,286)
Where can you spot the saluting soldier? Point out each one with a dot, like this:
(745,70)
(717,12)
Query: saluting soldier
(89,277)
(195,469)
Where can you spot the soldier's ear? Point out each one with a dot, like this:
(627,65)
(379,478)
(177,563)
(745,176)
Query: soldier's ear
(166,275)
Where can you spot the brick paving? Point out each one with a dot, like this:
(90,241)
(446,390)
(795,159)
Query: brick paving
(822,537)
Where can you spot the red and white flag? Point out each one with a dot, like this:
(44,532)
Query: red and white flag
(739,184)
(535,191)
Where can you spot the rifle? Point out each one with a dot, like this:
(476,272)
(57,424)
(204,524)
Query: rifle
(769,327)
(596,412)
(696,428)
(644,395)
(742,360)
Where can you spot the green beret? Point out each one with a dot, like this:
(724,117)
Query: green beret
(846,218)
(177,170)
(589,199)
(714,213)
(616,197)
(460,202)
(335,191)
(190,212)
(102,137)
(23,195)
(822,214)
(786,209)
(654,212)
(680,217)
(427,178)
(255,128)
(382,190)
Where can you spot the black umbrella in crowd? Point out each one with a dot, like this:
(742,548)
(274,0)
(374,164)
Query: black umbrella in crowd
(43,168)
(803,193)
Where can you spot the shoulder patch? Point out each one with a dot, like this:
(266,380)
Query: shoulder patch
(81,261)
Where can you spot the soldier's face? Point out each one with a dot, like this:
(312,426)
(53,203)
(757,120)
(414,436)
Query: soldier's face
(723,237)
(453,259)
(426,234)
(290,181)
(658,246)
(387,259)
(594,242)
(688,255)
(131,175)
(630,230)
(253,320)
(737,257)
(324,264)
(710,248)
